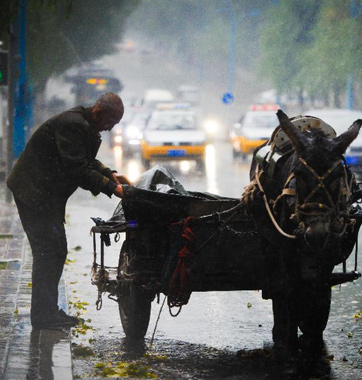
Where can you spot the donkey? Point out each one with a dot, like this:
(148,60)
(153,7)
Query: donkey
(303,216)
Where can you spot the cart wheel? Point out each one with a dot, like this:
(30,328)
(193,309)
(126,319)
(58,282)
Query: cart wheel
(134,305)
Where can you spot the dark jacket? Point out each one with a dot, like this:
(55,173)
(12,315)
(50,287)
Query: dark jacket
(59,158)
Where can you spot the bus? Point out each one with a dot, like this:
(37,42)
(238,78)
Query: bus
(91,82)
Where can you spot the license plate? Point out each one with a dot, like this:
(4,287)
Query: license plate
(176,153)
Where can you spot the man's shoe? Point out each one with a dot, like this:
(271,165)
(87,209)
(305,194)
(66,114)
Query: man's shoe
(55,322)
(63,314)
(53,325)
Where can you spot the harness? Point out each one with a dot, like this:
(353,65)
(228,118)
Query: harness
(308,208)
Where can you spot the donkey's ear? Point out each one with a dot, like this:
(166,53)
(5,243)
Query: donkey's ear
(343,141)
(298,140)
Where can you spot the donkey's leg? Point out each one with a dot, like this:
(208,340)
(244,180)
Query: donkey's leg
(285,327)
(313,318)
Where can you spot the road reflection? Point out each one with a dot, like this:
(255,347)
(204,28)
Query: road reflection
(211,169)
(48,348)
(132,168)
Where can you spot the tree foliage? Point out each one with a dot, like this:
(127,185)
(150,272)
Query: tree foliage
(64,33)
(198,32)
(299,46)
(296,45)
(312,46)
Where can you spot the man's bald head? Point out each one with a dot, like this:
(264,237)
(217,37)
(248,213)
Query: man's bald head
(107,111)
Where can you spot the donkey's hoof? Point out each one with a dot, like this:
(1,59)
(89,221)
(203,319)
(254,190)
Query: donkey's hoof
(290,369)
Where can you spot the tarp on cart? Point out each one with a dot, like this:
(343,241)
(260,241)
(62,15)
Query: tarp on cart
(157,197)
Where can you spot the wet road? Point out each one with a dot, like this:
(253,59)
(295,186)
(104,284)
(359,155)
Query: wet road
(203,341)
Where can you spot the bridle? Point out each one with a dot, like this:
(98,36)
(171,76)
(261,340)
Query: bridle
(309,208)
(321,186)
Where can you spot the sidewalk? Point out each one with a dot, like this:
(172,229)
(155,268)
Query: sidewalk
(25,353)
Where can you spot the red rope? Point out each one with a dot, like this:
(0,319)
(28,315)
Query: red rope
(180,287)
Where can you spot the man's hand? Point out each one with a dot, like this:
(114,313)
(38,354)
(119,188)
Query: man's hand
(121,179)
(118,192)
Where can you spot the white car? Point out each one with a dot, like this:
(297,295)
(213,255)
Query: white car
(174,134)
(340,120)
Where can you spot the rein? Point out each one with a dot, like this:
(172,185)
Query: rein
(271,215)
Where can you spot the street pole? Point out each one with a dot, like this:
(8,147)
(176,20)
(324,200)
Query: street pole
(20,111)
(231,47)
(11,108)
(201,51)
(350,80)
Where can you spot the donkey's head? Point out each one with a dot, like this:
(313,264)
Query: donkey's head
(321,180)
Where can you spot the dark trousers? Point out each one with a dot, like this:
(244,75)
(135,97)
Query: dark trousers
(46,234)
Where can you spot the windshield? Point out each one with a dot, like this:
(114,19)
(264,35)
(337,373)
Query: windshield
(172,121)
(260,120)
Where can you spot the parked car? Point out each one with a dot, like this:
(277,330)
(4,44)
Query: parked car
(253,129)
(340,120)
(174,133)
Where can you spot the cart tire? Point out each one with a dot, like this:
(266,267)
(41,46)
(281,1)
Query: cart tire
(134,311)
(134,306)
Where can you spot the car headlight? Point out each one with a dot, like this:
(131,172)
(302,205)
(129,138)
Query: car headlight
(133,132)
(211,126)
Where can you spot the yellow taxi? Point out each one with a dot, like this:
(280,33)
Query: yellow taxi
(253,129)
(173,133)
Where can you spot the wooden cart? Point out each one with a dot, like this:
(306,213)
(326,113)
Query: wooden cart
(224,254)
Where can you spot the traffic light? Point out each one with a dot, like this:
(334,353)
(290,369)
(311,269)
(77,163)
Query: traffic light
(4,68)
